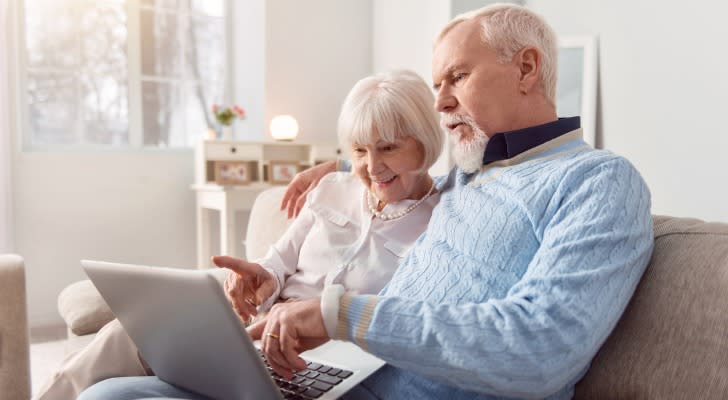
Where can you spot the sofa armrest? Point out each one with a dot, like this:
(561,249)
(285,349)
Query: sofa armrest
(14,345)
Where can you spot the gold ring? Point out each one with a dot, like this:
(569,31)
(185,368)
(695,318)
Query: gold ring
(274,336)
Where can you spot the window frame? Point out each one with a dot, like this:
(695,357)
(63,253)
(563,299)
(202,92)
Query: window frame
(135,78)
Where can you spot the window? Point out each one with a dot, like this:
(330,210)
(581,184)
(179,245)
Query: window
(122,73)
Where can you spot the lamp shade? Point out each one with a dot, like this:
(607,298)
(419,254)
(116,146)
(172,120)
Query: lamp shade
(283,127)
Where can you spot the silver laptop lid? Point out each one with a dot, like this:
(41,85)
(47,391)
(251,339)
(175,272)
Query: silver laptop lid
(183,325)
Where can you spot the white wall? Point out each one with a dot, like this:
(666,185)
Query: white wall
(403,32)
(248,59)
(136,206)
(315,52)
(664,93)
(461,6)
(127,206)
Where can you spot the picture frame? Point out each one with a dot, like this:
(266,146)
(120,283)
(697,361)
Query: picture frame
(233,172)
(282,172)
(576,91)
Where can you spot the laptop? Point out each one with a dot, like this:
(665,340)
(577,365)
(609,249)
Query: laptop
(190,336)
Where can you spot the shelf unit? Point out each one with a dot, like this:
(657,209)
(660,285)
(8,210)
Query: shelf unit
(228,200)
(259,154)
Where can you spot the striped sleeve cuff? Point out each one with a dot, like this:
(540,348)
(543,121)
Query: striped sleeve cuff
(330,298)
(355,315)
(343,165)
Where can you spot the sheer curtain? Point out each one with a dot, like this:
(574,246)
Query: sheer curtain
(6,220)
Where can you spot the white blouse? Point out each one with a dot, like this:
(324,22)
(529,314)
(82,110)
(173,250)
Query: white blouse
(335,240)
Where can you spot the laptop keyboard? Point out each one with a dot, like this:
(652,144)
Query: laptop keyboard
(312,383)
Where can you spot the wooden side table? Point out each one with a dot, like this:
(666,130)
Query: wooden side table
(227,200)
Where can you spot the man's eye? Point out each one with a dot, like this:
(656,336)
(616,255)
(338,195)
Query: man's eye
(458,77)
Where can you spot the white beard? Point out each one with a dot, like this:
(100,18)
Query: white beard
(468,155)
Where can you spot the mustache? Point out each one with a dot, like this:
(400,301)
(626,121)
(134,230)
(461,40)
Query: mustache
(447,120)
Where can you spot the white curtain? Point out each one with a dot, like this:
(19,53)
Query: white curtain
(6,218)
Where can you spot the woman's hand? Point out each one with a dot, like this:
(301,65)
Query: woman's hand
(288,330)
(302,183)
(247,285)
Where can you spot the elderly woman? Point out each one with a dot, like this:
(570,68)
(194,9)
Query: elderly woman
(365,220)
(394,138)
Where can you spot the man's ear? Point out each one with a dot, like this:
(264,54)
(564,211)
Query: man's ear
(529,64)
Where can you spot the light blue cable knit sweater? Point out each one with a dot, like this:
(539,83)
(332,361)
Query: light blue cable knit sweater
(522,274)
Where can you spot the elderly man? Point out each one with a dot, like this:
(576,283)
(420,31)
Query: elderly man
(530,258)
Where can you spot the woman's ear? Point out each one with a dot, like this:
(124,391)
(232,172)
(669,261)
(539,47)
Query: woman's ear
(528,61)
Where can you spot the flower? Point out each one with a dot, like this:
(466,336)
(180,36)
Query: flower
(225,115)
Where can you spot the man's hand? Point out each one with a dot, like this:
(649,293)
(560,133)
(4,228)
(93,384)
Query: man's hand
(288,330)
(246,286)
(302,183)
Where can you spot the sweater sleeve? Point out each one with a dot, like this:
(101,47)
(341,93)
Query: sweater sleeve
(540,337)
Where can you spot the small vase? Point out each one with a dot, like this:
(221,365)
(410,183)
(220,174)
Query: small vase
(227,132)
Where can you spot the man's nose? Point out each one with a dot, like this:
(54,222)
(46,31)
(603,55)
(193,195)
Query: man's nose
(445,101)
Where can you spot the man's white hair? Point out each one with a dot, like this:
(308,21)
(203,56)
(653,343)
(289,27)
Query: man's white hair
(394,104)
(508,28)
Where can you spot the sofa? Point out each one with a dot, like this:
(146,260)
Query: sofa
(14,346)
(671,342)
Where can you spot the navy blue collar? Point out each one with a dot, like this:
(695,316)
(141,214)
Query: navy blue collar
(503,146)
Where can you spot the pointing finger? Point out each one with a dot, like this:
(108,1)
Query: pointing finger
(241,267)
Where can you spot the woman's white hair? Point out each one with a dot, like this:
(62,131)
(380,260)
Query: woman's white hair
(508,28)
(393,104)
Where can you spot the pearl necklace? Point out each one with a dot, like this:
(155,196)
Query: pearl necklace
(399,214)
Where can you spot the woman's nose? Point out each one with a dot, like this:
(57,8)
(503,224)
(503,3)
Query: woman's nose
(373,163)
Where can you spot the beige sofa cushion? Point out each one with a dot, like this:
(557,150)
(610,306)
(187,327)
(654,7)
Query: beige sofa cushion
(267,223)
(83,308)
(672,342)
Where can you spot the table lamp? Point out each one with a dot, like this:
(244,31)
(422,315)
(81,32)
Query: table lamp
(284,128)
